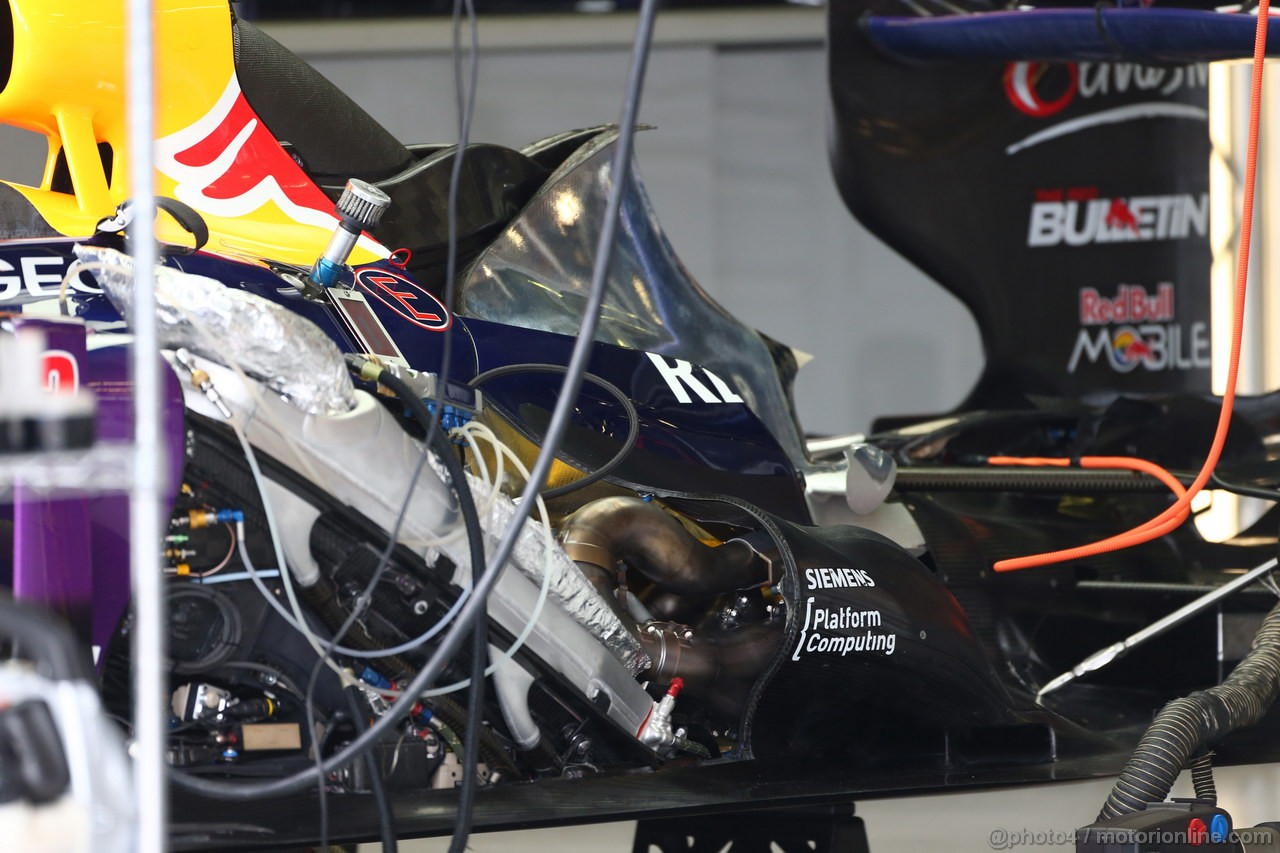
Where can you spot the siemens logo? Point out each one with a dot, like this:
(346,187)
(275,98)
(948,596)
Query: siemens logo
(837,578)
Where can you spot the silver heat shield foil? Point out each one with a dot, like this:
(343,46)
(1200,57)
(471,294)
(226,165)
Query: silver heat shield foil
(569,590)
(284,350)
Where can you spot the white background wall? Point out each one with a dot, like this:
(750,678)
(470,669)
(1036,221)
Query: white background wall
(737,168)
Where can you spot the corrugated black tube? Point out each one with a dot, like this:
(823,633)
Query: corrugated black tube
(1202,777)
(1187,726)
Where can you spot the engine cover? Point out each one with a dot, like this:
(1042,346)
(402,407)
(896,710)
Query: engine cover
(874,642)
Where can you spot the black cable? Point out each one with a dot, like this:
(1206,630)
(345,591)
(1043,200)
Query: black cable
(937,478)
(633,420)
(1243,490)
(466,105)
(1104,32)
(560,417)
(475,720)
(283,680)
(957,478)
(475,541)
(386,820)
(479,633)
(357,609)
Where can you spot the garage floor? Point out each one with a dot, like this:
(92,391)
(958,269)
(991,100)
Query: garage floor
(956,823)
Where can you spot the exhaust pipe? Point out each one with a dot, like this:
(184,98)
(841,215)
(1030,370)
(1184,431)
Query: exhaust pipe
(719,667)
(612,530)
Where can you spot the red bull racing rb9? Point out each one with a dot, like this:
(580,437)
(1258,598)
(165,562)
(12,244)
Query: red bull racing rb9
(700,608)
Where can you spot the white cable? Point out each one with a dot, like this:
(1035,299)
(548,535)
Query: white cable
(507,654)
(470,431)
(493,483)
(238,576)
(493,486)
(74,269)
(285,575)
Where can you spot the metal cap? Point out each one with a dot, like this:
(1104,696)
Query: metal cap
(870,478)
(362,203)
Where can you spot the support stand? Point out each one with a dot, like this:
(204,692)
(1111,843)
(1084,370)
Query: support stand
(820,829)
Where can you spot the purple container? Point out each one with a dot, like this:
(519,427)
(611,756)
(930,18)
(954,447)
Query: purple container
(71,555)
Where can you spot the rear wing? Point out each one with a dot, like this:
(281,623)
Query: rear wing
(1139,35)
(1051,169)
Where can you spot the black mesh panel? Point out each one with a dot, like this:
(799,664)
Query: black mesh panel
(19,220)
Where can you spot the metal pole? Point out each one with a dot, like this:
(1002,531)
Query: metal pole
(145,498)
(1105,657)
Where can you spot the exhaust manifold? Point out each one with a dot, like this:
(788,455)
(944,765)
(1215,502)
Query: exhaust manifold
(644,538)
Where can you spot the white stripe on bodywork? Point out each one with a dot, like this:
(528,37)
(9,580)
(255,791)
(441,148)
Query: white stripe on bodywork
(192,181)
(1118,115)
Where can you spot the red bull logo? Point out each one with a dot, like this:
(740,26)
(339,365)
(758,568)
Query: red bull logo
(228,164)
(1131,304)
(1120,216)
(1129,348)
(1149,338)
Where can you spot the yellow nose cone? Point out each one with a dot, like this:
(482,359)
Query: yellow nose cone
(68,79)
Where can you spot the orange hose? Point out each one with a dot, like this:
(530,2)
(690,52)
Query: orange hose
(1127,463)
(1177,513)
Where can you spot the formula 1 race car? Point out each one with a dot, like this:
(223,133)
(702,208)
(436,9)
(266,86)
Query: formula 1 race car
(365,346)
